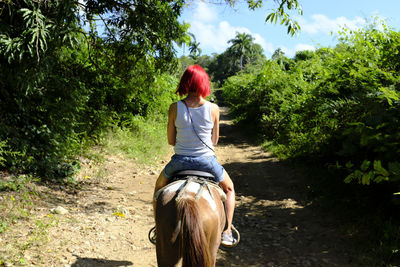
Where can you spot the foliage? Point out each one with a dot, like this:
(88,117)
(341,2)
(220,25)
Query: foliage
(281,13)
(292,26)
(285,62)
(336,108)
(17,209)
(61,88)
(31,35)
(19,183)
(204,61)
(69,70)
(241,45)
(194,47)
(242,54)
(2,152)
(136,31)
(144,138)
(337,105)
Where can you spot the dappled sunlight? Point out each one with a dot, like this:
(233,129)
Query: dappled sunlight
(277,223)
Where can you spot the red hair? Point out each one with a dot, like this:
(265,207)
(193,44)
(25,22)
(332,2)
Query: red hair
(194,79)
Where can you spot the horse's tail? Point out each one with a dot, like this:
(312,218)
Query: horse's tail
(193,243)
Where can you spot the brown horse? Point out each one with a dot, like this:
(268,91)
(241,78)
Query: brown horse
(190,218)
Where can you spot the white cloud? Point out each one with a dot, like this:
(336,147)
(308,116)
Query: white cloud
(217,37)
(81,5)
(204,13)
(214,35)
(268,47)
(322,24)
(291,52)
(288,52)
(301,47)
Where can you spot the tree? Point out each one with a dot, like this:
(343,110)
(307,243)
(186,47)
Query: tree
(204,61)
(256,53)
(241,46)
(281,13)
(277,54)
(61,83)
(68,68)
(183,42)
(194,47)
(222,66)
(304,55)
(183,63)
(242,54)
(280,58)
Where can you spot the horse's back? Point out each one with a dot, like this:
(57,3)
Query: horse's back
(209,216)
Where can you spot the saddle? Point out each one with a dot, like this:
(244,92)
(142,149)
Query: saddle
(204,179)
(193,173)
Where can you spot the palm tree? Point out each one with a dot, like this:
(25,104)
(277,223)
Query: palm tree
(194,47)
(241,45)
(278,54)
(183,42)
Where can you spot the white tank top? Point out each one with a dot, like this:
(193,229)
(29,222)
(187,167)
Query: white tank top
(187,143)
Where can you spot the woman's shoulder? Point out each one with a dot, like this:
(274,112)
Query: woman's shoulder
(173,107)
(214,111)
(213,106)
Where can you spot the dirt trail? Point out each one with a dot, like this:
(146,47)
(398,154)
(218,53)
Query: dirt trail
(108,222)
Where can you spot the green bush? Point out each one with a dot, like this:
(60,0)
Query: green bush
(337,109)
(62,89)
(337,105)
(144,137)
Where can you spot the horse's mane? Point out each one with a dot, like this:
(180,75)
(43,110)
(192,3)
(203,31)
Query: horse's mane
(193,242)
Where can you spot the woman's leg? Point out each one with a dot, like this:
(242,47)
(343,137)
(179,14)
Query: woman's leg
(227,186)
(160,183)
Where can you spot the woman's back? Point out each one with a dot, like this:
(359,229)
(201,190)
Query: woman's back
(191,119)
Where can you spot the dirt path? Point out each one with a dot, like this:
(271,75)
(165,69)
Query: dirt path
(277,226)
(107,223)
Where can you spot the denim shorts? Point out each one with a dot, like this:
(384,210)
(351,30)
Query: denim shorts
(201,163)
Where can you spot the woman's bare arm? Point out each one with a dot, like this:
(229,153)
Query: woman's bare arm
(171,130)
(215,118)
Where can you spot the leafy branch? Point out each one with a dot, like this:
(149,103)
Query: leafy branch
(280,13)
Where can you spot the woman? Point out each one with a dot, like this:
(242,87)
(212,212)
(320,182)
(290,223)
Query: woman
(193,130)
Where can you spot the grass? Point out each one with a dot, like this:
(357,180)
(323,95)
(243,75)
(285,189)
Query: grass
(23,229)
(144,140)
(20,228)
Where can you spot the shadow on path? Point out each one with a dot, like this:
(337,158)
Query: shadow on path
(93,262)
(277,224)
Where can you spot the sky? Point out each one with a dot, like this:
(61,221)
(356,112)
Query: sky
(214,25)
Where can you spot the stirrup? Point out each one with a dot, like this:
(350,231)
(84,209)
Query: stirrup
(152,235)
(236,235)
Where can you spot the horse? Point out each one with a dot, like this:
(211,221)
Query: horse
(190,218)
